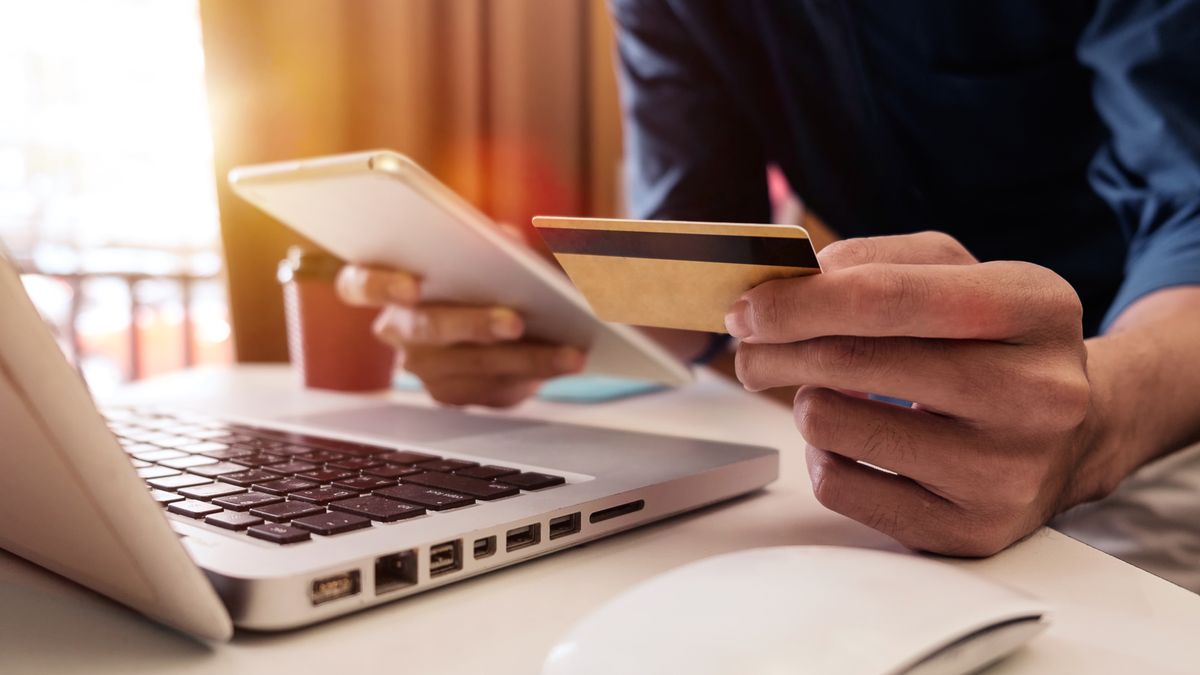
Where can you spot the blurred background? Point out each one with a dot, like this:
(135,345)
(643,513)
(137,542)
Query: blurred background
(120,118)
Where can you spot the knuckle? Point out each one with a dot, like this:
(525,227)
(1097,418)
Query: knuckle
(884,295)
(423,326)
(772,305)
(946,247)
(848,353)
(1054,399)
(849,252)
(815,415)
(822,473)
(748,365)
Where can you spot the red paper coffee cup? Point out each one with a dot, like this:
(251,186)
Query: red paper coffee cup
(331,343)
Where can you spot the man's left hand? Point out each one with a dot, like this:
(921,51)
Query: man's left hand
(992,354)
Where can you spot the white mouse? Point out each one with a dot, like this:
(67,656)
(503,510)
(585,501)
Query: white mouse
(802,609)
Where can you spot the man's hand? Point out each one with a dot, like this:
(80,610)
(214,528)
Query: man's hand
(1000,434)
(463,354)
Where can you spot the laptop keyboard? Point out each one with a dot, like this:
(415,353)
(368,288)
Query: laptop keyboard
(284,487)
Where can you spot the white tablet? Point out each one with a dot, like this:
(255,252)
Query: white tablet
(379,208)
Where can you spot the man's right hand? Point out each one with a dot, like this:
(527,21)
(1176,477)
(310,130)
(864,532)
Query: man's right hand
(463,354)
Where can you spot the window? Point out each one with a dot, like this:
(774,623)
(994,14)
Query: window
(107,196)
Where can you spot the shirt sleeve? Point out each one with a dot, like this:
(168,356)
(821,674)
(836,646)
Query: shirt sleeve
(1146,60)
(690,154)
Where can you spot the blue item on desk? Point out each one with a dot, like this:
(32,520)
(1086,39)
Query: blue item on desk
(570,389)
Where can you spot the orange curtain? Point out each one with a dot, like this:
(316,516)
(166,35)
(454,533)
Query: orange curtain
(510,102)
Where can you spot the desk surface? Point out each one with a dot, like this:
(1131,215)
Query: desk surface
(1108,617)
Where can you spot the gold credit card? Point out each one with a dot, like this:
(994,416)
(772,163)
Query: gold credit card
(673,274)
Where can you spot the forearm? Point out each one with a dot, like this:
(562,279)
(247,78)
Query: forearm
(1145,376)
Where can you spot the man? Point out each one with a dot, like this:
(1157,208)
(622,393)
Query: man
(933,134)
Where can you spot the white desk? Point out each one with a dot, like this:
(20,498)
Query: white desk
(1109,617)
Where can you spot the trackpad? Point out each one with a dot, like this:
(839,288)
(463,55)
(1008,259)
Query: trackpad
(412,424)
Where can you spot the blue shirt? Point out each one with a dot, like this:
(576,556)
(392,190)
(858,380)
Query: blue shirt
(1062,132)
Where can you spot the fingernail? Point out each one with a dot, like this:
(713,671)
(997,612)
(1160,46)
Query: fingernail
(403,290)
(505,324)
(568,360)
(737,321)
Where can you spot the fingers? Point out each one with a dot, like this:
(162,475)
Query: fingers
(518,359)
(898,507)
(1008,301)
(994,385)
(444,325)
(373,287)
(939,374)
(921,248)
(919,445)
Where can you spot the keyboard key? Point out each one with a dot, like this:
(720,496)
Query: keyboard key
(359,449)
(260,444)
(218,469)
(391,471)
(282,486)
(285,511)
(209,434)
(232,520)
(172,441)
(332,523)
(480,489)
(378,508)
(210,491)
(201,448)
(430,498)
(291,450)
(139,464)
(159,455)
(532,481)
(258,460)
(354,463)
(446,465)
(246,500)
(326,475)
(230,438)
(323,495)
(289,468)
(188,461)
(320,456)
(246,478)
(164,497)
(229,453)
(364,483)
(406,457)
(279,534)
(486,472)
(192,508)
(140,448)
(176,482)
(157,472)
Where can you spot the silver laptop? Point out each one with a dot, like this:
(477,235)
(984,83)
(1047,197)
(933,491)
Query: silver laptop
(271,512)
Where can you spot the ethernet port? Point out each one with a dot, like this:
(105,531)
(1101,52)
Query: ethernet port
(395,571)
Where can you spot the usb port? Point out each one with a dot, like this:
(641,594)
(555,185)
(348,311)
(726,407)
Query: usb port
(484,547)
(444,558)
(521,537)
(563,526)
(336,587)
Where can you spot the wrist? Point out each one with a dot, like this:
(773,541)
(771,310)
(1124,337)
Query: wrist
(1106,439)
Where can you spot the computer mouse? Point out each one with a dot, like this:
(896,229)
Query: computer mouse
(802,609)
